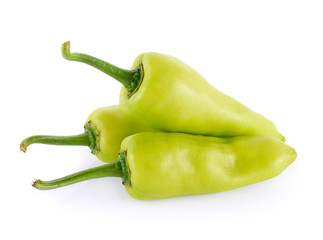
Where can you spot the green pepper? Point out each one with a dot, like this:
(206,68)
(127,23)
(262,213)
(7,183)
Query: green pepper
(156,165)
(168,95)
(105,129)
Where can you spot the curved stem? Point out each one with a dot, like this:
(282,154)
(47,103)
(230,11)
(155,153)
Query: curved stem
(118,168)
(108,170)
(130,79)
(81,139)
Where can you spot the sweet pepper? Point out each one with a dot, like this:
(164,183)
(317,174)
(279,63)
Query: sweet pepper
(156,165)
(105,129)
(166,94)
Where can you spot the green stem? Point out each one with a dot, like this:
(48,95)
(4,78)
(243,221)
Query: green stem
(118,168)
(107,170)
(130,79)
(81,139)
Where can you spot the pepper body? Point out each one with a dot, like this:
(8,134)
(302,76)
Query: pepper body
(174,97)
(110,127)
(164,165)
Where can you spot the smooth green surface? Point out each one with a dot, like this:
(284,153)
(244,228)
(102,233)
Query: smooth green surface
(164,165)
(174,97)
(113,126)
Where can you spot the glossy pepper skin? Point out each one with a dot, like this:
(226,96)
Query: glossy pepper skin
(166,94)
(164,165)
(105,129)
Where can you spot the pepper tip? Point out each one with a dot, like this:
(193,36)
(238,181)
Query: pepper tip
(66,49)
(34,182)
(23,146)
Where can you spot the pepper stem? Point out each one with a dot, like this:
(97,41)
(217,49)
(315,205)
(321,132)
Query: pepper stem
(107,170)
(130,79)
(81,139)
(118,168)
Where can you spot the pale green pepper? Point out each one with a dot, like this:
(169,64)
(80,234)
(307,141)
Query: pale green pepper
(156,165)
(168,95)
(105,129)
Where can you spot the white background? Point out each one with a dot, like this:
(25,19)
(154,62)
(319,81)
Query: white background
(266,54)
